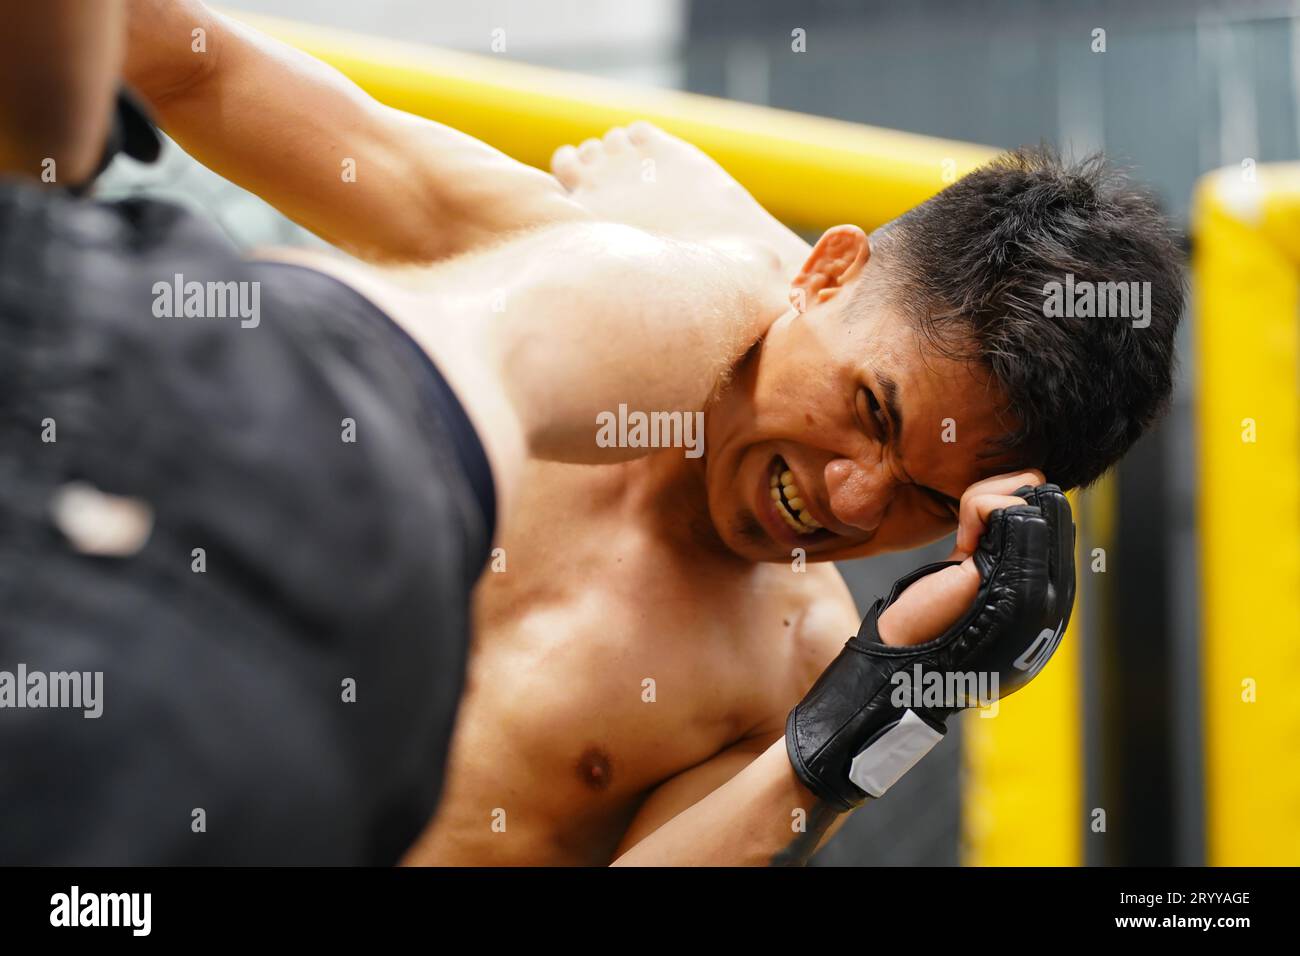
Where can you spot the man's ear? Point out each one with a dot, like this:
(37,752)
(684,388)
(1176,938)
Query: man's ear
(837,259)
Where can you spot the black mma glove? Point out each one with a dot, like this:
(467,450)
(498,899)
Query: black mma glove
(861,727)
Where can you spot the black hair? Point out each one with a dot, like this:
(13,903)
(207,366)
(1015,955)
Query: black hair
(978,268)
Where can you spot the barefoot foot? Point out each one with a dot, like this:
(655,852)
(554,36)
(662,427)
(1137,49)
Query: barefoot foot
(647,178)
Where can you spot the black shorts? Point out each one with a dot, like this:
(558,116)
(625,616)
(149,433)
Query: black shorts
(283,656)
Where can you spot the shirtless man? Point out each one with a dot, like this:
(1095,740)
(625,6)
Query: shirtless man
(637,654)
(261,535)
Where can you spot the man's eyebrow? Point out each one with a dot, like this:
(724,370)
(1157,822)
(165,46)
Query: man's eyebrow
(889,395)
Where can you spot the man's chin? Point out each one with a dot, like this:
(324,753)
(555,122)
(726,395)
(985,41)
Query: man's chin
(746,538)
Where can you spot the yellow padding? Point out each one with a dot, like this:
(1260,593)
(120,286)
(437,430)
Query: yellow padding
(1247,295)
(810,172)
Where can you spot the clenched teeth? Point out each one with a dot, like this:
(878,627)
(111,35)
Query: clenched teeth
(789,502)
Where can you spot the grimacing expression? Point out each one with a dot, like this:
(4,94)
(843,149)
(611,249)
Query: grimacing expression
(831,437)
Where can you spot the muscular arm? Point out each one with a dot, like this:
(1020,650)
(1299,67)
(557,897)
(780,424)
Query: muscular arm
(746,806)
(737,810)
(287,127)
(756,813)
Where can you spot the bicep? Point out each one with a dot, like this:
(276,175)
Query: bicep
(690,787)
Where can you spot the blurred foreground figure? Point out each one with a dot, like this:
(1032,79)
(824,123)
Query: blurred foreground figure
(244,503)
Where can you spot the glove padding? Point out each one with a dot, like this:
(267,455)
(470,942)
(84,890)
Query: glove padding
(848,739)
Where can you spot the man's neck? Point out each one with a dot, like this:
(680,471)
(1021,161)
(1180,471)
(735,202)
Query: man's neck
(670,489)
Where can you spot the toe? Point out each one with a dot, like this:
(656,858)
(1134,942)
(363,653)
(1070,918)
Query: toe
(589,151)
(566,167)
(641,133)
(616,140)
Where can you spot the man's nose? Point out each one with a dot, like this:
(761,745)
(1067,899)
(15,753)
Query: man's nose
(860,494)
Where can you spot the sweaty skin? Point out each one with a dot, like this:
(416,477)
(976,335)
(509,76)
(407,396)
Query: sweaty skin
(645,626)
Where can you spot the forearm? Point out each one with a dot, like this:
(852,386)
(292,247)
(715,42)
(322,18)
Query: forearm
(763,816)
(383,184)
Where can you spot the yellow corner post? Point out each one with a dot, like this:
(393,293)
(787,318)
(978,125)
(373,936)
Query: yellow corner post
(1022,770)
(1022,776)
(1247,293)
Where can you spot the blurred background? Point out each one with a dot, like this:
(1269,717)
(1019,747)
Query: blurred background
(1180,88)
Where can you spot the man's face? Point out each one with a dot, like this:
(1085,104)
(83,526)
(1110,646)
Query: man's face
(842,413)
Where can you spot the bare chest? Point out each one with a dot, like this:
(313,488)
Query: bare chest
(622,666)
(605,662)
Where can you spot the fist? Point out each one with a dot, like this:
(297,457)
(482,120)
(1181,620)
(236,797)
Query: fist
(936,602)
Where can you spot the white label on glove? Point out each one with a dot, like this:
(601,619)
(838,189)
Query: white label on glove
(1040,652)
(892,754)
